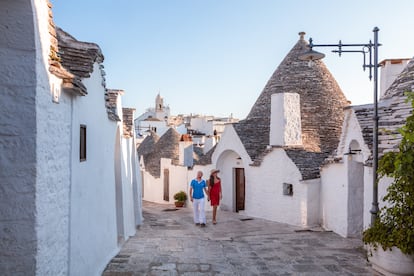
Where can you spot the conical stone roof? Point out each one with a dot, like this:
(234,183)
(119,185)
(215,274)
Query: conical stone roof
(166,147)
(321,106)
(148,144)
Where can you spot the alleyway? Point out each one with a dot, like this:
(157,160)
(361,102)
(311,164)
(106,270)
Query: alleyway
(168,243)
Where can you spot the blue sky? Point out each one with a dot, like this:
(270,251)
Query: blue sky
(214,57)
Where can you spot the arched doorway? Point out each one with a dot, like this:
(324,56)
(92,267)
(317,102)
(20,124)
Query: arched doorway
(233,180)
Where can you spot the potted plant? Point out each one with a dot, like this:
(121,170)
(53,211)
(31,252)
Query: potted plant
(180,198)
(393,231)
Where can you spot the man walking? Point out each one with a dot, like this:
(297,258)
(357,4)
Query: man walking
(198,187)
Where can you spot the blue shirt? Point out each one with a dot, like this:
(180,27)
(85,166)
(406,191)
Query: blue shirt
(198,188)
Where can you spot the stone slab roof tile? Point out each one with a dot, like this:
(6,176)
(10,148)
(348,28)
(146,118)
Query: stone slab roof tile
(77,58)
(309,163)
(128,122)
(111,99)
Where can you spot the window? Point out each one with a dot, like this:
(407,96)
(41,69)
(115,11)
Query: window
(287,189)
(82,145)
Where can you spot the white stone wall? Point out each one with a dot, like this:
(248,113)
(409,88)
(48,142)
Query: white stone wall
(93,239)
(159,126)
(129,187)
(154,187)
(285,120)
(264,192)
(337,180)
(202,124)
(341,186)
(334,200)
(18,86)
(53,160)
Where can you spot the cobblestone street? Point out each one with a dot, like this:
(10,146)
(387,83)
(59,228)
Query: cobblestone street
(168,243)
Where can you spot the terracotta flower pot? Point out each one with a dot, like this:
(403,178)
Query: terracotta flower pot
(179,203)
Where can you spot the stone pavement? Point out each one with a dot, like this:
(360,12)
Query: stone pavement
(168,243)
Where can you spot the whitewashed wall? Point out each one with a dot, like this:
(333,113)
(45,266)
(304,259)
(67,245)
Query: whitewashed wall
(154,187)
(53,159)
(346,185)
(25,189)
(334,200)
(160,126)
(264,191)
(93,239)
(128,181)
(202,124)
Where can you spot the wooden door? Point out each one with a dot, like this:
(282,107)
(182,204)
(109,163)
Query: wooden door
(166,185)
(240,189)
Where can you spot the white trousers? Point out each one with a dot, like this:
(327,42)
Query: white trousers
(199,213)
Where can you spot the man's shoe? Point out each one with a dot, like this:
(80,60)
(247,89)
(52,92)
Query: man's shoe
(203,225)
(197,224)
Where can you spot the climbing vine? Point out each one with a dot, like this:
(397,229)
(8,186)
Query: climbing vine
(395,223)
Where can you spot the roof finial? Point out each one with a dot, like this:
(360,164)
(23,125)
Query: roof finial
(302,35)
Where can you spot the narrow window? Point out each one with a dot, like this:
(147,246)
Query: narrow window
(287,189)
(82,147)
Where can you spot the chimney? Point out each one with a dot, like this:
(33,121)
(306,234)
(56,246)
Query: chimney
(185,149)
(390,69)
(285,122)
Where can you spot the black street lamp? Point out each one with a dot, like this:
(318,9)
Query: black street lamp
(372,50)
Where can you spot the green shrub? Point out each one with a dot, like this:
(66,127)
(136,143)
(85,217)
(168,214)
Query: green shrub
(395,223)
(181,196)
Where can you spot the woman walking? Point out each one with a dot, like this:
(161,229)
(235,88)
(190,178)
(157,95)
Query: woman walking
(214,188)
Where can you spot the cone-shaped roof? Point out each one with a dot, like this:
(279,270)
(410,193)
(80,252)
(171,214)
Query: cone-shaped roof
(321,106)
(147,146)
(166,147)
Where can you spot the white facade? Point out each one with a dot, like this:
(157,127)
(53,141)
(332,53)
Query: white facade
(347,185)
(55,207)
(157,126)
(93,183)
(264,195)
